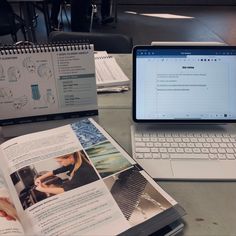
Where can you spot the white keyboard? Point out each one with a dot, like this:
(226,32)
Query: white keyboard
(185,146)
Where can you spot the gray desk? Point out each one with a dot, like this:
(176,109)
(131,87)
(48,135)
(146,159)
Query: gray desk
(210,206)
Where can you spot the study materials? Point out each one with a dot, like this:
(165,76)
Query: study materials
(47,82)
(109,75)
(76,180)
(184,104)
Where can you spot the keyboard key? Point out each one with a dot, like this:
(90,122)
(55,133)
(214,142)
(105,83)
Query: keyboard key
(186,140)
(189,156)
(225,140)
(166,144)
(188,150)
(213,150)
(204,150)
(161,140)
(201,140)
(146,139)
(154,139)
(178,140)
(208,145)
(230,150)
(137,139)
(196,150)
(154,150)
(156,155)
(182,145)
(162,150)
(148,155)
(191,145)
(221,150)
(222,156)
(198,145)
(149,144)
(140,144)
(217,140)
(230,156)
(157,144)
(174,145)
(213,156)
(230,145)
(142,150)
(139,155)
(180,150)
(171,150)
(165,156)
(170,140)
(194,140)
(209,140)
(215,145)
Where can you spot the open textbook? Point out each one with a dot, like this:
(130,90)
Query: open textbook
(76,180)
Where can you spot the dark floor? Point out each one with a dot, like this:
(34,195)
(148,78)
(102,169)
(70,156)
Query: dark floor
(164,23)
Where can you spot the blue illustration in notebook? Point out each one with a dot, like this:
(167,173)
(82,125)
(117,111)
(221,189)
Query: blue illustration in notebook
(35,92)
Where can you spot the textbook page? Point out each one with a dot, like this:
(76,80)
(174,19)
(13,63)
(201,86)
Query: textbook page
(108,72)
(9,220)
(77,180)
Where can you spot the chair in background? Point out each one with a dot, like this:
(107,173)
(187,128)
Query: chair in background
(112,43)
(10,23)
(65,8)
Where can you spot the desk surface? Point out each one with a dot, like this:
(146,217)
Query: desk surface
(210,206)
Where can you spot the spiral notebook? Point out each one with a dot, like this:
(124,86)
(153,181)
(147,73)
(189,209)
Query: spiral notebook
(47,82)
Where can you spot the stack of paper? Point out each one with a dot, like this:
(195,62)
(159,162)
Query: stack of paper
(109,75)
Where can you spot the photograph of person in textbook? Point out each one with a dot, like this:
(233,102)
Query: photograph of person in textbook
(77,167)
(53,176)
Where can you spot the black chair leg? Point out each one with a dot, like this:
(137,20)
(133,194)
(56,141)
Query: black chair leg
(23,32)
(14,37)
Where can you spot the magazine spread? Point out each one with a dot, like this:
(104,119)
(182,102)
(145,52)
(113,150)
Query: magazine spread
(75,180)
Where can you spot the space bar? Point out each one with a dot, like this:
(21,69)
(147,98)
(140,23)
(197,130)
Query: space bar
(189,156)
